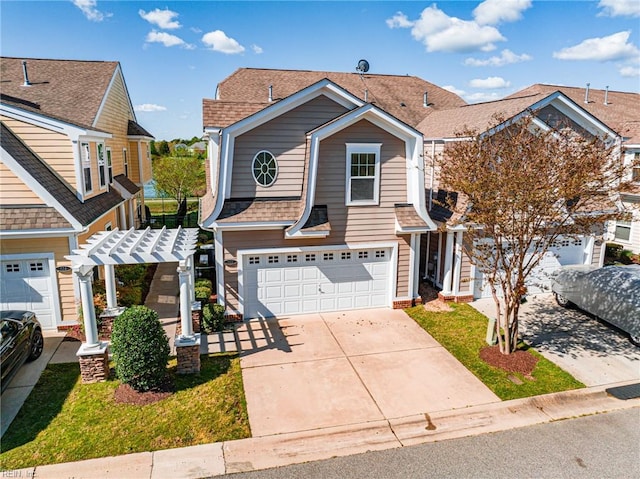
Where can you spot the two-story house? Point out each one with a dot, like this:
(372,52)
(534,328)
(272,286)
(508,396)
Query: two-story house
(445,263)
(73,160)
(316,189)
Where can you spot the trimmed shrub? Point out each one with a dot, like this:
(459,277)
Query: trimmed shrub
(140,348)
(202,293)
(130,296)
(131,274)
(204,282)
(212,318)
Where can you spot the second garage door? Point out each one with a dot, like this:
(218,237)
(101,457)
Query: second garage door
(287,283)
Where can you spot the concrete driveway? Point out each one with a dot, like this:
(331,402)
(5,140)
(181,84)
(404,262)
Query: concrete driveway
(344,368)
(594,353)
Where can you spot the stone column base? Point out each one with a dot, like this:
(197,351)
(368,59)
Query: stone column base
(94,363)
(449,298)
(196,315)
(107,318)
(188,354)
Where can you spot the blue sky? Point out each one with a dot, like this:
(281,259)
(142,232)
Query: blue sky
(173,54)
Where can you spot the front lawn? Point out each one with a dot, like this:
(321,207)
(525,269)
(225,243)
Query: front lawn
(64,420)
(463,331)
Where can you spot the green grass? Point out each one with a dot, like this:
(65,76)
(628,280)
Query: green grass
(64,420)
(463,331)
(170,205)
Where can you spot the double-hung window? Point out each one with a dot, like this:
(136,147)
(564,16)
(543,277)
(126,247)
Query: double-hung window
(109,166)
(102,167)
(125,161)
(363,174)
(86,167)
(635,171)
(623,230)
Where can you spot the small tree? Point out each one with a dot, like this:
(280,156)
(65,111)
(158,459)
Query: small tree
(140,348)
(518,190)
(179,177)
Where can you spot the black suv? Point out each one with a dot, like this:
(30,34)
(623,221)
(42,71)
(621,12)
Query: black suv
(21,341)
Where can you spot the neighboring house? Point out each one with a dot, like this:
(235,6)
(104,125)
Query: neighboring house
(620,111)
(316,189)
(198,148)
(445,263)
(73,160)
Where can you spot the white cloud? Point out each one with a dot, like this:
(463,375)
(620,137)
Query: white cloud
(441,33)
(507,57)
(489,83)
(88,8)
(455,90)
(162,18)
(480,97)
(149,107)
(620,8)
(256,49)
(218,41)
(167,40)
(399,20)
(493,12)
(629,71)
(613,47)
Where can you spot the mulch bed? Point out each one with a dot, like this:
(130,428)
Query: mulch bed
(125,394)
(520,361)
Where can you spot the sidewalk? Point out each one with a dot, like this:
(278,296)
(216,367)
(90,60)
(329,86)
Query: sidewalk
(285,449)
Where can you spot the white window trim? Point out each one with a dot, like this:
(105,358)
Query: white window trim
(630,226)
(125,162)
(102,165)
(363,148)
(85,154)
(109,164)
(253,173)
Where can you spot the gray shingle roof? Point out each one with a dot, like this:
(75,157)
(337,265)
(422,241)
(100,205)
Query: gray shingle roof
(85,213)
(15,218)
(134,129)
(259,210)
(68,90)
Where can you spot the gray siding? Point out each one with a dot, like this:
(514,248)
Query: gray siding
(285,138)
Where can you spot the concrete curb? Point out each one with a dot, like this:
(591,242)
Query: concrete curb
(293,448)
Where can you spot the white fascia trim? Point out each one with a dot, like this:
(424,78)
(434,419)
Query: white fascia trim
(308,234)
(267,225)
(411,137)
(37,188)
(219,259)
(43,121)
(106,94)
(326,87)
(53,233)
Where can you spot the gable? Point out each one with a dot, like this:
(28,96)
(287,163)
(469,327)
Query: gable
(14,191)
(115,111)
(285,138)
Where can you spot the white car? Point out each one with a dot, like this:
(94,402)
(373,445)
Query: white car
(611,293)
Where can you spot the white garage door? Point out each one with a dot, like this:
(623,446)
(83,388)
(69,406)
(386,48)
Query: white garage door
(26,285)
(286,283)
(563,251)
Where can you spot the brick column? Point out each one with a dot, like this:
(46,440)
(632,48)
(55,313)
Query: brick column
(107,317)
(188,354)
(94,363)
(196,315)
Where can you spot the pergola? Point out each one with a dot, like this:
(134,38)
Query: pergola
(109,248)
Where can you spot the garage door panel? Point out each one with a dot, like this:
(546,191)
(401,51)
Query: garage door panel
(323,280)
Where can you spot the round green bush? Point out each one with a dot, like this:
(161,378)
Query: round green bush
(140,348)
(212,318)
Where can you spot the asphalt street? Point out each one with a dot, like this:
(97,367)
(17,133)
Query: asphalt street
(600,446)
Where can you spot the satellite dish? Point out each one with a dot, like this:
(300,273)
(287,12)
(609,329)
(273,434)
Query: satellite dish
(363,66)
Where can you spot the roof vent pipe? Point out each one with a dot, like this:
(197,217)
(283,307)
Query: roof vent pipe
(606,95)
(366,96)
(25,73)
(425,102)
(270,93)
(586,94)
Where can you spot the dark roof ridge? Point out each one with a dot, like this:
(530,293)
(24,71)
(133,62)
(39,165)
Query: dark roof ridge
(303,70)
(57,59)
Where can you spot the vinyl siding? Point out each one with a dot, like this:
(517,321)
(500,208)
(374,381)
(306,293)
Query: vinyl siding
(59,246)
(54,148)
(465,274)
(114,118)
(134,162)
(100,225)
(285,138)
(432,155)
(13,191)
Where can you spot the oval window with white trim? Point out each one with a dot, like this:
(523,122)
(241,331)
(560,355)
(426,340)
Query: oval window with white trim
(265,168)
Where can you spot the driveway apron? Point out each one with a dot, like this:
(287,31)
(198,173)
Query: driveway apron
(344,368)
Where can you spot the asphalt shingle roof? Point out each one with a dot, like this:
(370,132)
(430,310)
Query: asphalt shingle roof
(400,96)
(68,90)
(15,218)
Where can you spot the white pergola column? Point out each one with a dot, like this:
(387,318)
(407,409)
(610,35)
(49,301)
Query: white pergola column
(448,263)
(192,278)
(458,263)
(184,276)
(85,277)
(110,285)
